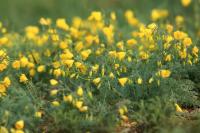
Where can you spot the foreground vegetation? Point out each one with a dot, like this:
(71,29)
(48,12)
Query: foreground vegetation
(108,72)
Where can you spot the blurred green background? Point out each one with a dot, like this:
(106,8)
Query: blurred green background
(18,13)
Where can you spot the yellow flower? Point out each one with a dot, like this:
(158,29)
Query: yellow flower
(79,91)
(45,21)
(56,64)
(31,32)
(2,88)
(66,55)
(30,65)
(76,22)
(152,26)
(157,14)
(85,54)
(112,54)
(95,68)
(179,20)
(124,117)
(195,51)
(24,62)
(186,3)
(183,54)
(55,103)
(121,111)
(68,63)
(122,81)
(41,68)
(187,42)
(32,72)
(96,16)
(143,55)
(139,81)
(68,98)
(111,75)
(120,45)
(179,35)
(121,55)
(19,125)
(18,131)
(57,72)
(61,23)
(116,66)
(16,64)
(168,57)
(131,42)
(79,46)
(90,94)
(109,33)
(53,82)
(165,73)
(53,92)
(96,81)
(23,78)
(79,104)
(63,45)
(3,130)
(151,80)
(38,114)
(83,109)
(178,108)
(6,82)
(3,40)
(169,28)
(113,16)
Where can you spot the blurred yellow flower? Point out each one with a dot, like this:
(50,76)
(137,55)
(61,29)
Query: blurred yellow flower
(83,109)
(195,51)
(179,20)
(121,55)
(96,81)
(168,57)
(139,81)
(41,68)
(178,108)
(6,82)
(169,28)
(38,114)
(31,32)
(2,88)
(23,78)
(79,91)
(179,35)
(165,73)
(122,81)
(3,130)
(45,21)
(55,103)
(96,16)
(19,125)
(53,92)
(68,63)
(151,80)
(157,14)
(186,3)
(53,82)
(61,23)
(24,62)
(86,53)
(68,98)
(187,42)
(79,104)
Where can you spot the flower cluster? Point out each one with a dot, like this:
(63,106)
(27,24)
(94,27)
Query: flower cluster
(76,61)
